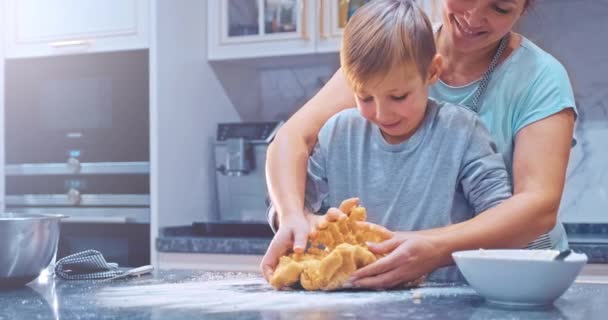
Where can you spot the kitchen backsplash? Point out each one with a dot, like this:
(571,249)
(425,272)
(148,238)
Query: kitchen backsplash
(574,32)
(284,90)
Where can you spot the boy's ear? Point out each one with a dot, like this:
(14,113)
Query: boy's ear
(435,69)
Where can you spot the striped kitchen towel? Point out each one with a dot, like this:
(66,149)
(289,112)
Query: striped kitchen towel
(86,265)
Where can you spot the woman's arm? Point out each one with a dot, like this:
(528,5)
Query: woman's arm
(540,159)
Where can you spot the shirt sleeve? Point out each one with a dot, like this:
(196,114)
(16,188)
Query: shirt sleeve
(483,175)
(549,93)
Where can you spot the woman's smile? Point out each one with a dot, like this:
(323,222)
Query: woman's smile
(464,31)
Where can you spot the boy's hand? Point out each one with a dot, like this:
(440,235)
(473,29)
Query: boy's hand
(292,235)
(294,231)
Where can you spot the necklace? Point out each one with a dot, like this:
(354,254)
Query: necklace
(483,84)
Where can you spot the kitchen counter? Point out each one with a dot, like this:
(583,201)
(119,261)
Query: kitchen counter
(591,239)
(185,240)
(191,294)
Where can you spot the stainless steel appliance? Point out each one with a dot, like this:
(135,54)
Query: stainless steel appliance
(89,108)
(28,246)
(240,157)
(77,143)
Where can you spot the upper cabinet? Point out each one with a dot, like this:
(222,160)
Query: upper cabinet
(332,18)
(265,28)
(259,28)
(44,28)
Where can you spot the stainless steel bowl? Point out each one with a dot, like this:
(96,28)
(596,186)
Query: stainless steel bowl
(28,244)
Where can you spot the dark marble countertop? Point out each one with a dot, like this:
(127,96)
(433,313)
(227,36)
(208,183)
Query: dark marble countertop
(591,239)
(185,240)
(211,295)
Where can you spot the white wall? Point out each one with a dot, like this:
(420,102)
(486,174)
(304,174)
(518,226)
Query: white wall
(188,102)
(2,35)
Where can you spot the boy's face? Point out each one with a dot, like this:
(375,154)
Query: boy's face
(395,102)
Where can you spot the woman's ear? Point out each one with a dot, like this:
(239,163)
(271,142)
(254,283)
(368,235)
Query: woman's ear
(435,69)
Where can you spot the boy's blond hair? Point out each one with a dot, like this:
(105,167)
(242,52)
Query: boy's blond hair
(384,34)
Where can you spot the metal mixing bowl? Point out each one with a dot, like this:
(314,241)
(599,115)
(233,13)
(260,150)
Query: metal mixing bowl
(28,244)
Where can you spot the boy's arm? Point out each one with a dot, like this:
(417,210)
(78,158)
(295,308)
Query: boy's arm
(483,175)
(294,230)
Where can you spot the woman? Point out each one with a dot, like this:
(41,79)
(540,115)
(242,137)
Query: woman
(521,93)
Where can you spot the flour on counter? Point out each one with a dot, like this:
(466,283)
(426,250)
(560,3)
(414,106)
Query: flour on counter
(253,294)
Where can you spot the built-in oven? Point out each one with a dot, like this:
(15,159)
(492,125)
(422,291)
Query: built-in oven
(89,108)
(77,143)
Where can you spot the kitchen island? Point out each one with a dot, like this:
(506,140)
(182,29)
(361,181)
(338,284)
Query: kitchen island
(183,294)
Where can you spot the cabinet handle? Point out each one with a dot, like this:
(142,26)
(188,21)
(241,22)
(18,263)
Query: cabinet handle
(70,43)
(322,33)
(304,9)
(119,220)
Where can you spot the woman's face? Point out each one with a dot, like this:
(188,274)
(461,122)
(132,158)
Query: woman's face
(476,24)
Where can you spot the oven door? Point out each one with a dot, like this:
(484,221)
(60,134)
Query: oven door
(122,197)
(77,109)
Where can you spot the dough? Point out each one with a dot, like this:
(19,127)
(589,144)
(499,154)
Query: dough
(337,249)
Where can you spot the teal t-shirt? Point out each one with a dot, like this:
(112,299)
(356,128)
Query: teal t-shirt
(528,86)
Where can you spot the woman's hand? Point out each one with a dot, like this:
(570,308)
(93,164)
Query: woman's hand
(409,257)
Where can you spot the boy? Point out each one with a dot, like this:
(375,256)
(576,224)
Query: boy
(415,163)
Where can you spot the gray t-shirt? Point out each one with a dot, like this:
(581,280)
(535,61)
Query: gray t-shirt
(446,172)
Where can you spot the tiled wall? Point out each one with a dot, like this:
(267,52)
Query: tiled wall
(284,90)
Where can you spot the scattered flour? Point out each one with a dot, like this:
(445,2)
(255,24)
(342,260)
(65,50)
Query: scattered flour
(254,295)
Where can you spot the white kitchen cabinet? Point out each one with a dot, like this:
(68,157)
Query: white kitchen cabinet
(333,16)
(44,28)
(266,28)
(260,28)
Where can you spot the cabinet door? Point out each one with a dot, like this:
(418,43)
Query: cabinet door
(41,28)
(334,14)
(259,28)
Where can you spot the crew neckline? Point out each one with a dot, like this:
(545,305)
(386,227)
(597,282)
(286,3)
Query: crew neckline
(411,143)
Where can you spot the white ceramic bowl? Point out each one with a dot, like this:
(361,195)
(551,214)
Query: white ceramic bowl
(519,277)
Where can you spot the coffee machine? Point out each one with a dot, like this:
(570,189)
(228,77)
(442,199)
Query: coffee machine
(240,157)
